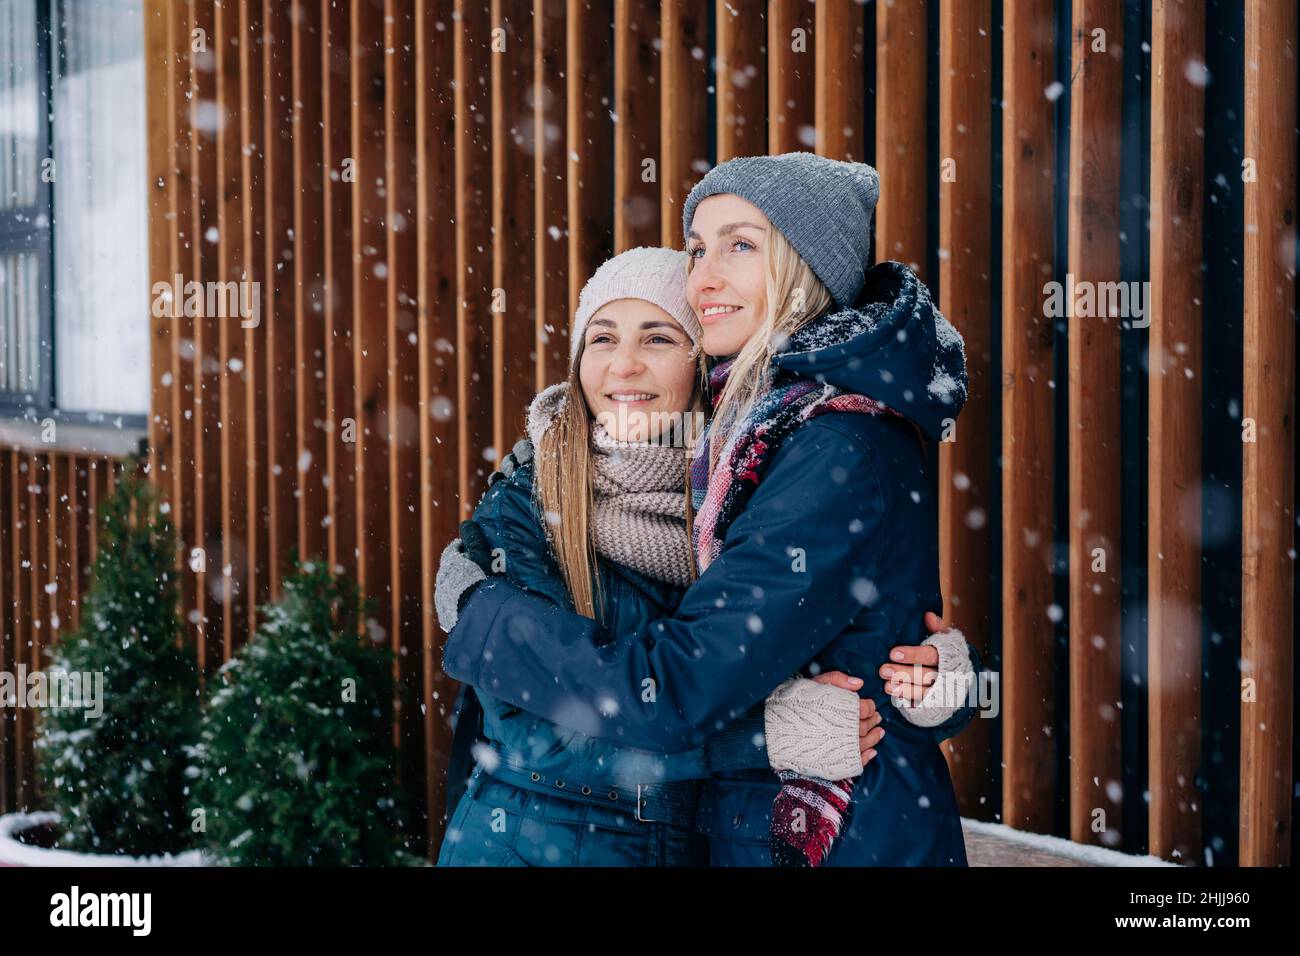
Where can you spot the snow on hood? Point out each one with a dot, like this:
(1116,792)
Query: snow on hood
(893,345)
(543,410)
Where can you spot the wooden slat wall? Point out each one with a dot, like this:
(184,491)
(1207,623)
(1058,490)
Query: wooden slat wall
(48,530)
(1268,463)
(420,187)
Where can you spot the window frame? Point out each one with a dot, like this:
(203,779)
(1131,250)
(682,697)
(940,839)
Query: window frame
(31,236)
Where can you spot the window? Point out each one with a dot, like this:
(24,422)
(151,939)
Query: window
(74,271)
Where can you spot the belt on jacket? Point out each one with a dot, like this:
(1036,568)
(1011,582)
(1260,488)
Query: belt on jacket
(671,802)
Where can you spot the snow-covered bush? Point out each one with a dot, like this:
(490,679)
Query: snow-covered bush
(117,779)
(295,764)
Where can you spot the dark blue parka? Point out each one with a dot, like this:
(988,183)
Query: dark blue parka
(833,561)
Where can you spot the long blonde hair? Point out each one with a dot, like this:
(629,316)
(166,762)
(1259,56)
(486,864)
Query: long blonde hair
(562,484)
(795,296)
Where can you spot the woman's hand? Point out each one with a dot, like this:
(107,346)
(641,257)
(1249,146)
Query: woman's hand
(869,730)
(931,682)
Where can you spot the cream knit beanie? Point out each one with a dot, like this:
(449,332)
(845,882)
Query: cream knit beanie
(655,275)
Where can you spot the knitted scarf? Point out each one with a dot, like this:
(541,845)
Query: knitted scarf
(808,813)
(639,492)
(639,518)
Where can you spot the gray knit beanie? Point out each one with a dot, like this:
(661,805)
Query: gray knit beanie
(823,206)
(650,273)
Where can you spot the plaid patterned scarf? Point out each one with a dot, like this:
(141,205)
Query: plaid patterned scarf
(808,813)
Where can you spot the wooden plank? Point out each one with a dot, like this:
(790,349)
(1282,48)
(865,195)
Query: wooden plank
(402,351)
(1268,463)
(20,603)
(160,113)
(252,533)
(1028,176)
(184,368)
(38,608)
(1174,470)
(339,192)
(550,110)
(741,79)
(839,80)
(513,224)
(791,95)
(279,289)
(636,134)
(309,268)
(439,484)
(900,153)
(966,485)
(1096,109)
(683,119)
(369,286)
(232,419)
(207,360)
(473,142)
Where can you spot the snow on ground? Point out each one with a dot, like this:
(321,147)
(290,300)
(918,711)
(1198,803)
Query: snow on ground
(996,844)
(13,853)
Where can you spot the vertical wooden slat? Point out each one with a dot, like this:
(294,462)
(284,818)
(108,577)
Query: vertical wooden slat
(369,286)
(1174,515)
(205,117)
(513,269)
(839,79)
(81,477)
(473,249)
(308,266)
(551,210)
(250,331)
(790,70)
(38,555)
(636,134)
(1268,463)
(683,116)
(402,431)
(590,137)
(1096,100)
(339,194)
(233,419)
(20,602)
(160,114)
(741,79)
(1028,176)
(900,129)
(279,291)
(965,297)
(185,368)
(438,309)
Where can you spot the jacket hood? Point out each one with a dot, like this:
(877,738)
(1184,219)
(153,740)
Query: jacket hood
(892,345)
(543,410)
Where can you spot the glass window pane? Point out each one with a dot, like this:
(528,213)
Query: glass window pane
(101,306)
(20,345)
(19,104)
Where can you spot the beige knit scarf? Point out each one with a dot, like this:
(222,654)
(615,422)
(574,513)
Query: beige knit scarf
(639,491)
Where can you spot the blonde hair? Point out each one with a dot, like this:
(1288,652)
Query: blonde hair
(795,296)
(562,485)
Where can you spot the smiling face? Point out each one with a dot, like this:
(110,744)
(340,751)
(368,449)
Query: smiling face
(727,285)
(636,369)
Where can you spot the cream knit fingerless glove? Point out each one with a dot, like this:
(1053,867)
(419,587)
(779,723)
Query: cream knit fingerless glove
(812,729)
(947,694)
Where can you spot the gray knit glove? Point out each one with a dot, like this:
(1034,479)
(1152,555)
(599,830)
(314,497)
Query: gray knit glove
(812,729)
(457,573)
(947,694)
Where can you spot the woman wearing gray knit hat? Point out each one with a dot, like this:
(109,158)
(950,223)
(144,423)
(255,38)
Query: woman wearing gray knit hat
(597,521)
(814,534)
